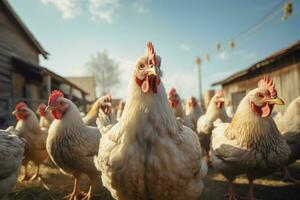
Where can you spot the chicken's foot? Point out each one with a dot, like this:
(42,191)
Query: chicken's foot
(26,177)
(36,175)
(231,192)
(251,192)
(76,193)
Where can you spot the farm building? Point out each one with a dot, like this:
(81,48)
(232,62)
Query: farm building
(21,76)
(283,67)
(88,84)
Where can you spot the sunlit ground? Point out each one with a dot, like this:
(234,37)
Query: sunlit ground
(55,185)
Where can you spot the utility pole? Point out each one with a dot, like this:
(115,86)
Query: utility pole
(198,63)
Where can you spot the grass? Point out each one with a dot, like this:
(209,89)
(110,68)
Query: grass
(54,186)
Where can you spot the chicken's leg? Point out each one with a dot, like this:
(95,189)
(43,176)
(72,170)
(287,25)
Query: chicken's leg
(231,192)
(251,191)
(25,177)
(36,174)
(288,177)
(76,191)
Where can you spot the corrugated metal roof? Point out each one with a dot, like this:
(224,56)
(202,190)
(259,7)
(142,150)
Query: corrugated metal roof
(23,27)
(265,63)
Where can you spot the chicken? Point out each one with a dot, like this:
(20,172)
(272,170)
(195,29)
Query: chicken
(289,126)
(251,144)
(205,123)
(120,109)
(71,144)
(148,154)
(45,117)
(28,128)
(176,104)
(193,110)
(90,118)
(11,155)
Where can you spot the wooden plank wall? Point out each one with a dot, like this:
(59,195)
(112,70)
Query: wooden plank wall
(13,42)
(287,81)
(14,38)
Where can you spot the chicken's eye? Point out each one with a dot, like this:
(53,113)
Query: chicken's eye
(61,103)
(260,95)
(141,66)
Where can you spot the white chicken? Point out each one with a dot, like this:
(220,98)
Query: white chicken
(193,110)
(71,144)
(289,126)
(148,154)
(177,107)
(11,155)
(251,144)
(205,123)
(28,127)
(104,103)
(45,117)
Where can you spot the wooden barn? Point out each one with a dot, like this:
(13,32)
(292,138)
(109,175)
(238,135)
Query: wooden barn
(21,76)
(283,67)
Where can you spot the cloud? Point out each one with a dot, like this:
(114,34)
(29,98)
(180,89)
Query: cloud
(68,8)
(103,9)
(185,47)
(139,6)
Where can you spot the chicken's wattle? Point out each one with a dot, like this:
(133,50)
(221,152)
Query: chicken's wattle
(150,82)
(219,104)
(21,117)
(263,111)
(57,114)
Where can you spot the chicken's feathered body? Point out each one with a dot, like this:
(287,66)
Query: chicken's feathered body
(205,123)
(72,145)
(11,155)
(148,154)
(255,147)
(193,111)
(251,144)
(45,117)
(35,137)
(90,118)
(45,121)
(177,107)
(29,129)
(289,126)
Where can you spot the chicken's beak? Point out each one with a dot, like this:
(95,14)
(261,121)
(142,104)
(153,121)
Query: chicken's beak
(275,100)
(14,112)
(49,108)
(152,71)
(221,99)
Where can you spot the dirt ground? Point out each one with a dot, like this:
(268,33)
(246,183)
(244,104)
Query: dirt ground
(54,186)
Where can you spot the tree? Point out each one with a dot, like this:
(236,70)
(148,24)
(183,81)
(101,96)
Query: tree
(105,70)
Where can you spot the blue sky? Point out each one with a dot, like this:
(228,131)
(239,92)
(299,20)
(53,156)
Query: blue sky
(72,30)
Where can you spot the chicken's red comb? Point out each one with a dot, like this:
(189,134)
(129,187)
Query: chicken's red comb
(20,105)
(54,95)
(42,106)
(267,83)
(150,53)
(172,91)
